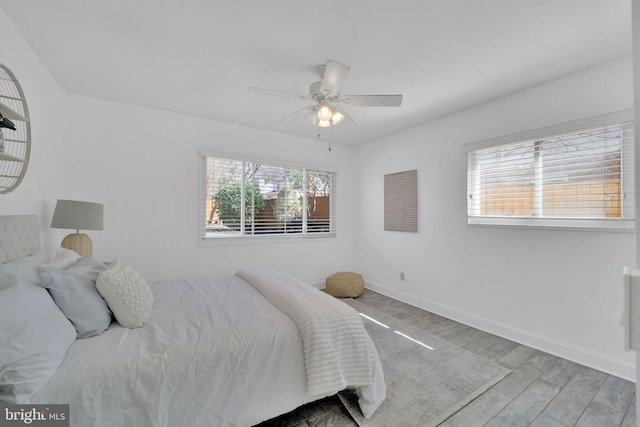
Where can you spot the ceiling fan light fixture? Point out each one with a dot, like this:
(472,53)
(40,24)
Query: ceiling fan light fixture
(325,93)
(324,112)
(337,116)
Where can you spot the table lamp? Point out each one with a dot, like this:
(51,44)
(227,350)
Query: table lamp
(72,214)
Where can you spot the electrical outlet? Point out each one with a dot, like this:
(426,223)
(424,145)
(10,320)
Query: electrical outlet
(402,276)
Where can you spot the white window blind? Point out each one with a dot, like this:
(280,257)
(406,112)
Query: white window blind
(578,178)
(248,198)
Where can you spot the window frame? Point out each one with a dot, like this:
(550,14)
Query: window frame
(626,223)
(204,240)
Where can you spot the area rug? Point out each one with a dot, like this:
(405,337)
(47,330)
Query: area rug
(428,379)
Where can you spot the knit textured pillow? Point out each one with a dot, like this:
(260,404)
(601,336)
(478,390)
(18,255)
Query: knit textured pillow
(127,293)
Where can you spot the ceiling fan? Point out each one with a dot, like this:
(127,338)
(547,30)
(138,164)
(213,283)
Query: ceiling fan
(326,94)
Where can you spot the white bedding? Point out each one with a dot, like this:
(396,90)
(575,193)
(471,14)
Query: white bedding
(338,352)
(194,363)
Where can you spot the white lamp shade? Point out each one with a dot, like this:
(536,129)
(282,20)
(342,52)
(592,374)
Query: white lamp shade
(337,116)
(324,112)
(312,117)
(72,214)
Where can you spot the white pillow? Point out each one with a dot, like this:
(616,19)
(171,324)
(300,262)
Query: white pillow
(127,293)
(25,269)
(64,258)
(34,338)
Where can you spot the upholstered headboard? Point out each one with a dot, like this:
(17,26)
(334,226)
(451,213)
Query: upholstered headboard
(19,236)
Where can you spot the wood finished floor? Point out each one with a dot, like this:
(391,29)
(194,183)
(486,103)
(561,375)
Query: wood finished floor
(542,391)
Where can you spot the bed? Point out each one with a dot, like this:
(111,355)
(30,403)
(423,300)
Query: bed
(220,351)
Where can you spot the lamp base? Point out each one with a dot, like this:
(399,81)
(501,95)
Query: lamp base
(78,242)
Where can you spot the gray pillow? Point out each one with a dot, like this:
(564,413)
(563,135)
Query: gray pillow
(74,291)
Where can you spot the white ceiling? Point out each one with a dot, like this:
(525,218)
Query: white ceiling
(199,57)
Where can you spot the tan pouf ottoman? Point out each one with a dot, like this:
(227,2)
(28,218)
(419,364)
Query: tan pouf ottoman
(345,284)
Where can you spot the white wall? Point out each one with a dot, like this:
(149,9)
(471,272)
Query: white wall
(556,290)
(143,164)
(45,102)
(635,16)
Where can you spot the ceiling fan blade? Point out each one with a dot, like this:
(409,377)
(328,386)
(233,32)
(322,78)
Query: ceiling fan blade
(297,115)
(334,75)
(280,93)
(349,120)
(371,100)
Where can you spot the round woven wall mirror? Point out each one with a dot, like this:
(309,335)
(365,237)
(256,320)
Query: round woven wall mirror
(15,132)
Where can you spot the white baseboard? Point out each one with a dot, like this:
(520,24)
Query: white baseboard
(318,285)
(602,362)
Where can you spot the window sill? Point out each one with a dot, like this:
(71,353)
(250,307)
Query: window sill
(616,226)
(256,240)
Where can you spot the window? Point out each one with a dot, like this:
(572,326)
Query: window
(252,198)
(575,175)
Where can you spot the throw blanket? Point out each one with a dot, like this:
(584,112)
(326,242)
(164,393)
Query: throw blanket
(335,343)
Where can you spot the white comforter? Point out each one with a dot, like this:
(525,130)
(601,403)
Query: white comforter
(214,352)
